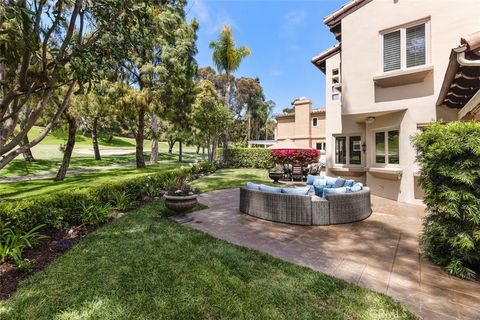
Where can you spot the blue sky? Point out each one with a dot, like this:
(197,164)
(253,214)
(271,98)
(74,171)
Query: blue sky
(283,35)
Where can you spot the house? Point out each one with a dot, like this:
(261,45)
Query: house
(383,79)
(305,126)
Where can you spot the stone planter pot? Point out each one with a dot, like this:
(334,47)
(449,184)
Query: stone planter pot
(275,176)
(180,204)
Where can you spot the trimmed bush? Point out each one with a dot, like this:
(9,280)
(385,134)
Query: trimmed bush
(70,207)
(248,158)
(449,155)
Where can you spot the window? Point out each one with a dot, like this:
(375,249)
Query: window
(321,146)
(341,150)
(335,85)
(387,149)
(314,122)
(355,156)
(405,48)
(351,155)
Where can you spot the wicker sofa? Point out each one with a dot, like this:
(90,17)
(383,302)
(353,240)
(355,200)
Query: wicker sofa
(304,209)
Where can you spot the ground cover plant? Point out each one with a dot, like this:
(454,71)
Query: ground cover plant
(449,157)
(142,266)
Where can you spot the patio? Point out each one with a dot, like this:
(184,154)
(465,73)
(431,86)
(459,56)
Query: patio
(380,253)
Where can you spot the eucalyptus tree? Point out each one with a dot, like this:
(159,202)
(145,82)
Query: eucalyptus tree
(227,58)
(48,45)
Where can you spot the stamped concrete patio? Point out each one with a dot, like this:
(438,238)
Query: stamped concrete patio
(380,253)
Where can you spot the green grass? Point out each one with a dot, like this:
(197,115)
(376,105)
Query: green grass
(49,148)
(23,189)
(232,178)
(20,167)
(143,266)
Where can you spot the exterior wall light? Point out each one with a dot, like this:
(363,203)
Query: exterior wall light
(364,146)
(370,120)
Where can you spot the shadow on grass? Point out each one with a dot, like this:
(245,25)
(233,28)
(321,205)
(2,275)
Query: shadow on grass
(36,187)
(143,266)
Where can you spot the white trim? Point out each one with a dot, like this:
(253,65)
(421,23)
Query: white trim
(403,41)
(347,151)
(373,153)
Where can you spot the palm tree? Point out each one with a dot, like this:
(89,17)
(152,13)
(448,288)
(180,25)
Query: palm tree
(227,58)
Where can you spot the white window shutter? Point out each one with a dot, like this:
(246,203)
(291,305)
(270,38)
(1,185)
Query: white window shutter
(415,47)
(392,51)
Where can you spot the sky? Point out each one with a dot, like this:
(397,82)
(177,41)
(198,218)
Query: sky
(283,36)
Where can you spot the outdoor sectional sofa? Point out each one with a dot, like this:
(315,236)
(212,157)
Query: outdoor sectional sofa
(306,209)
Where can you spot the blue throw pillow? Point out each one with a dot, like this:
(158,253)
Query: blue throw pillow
(330,182)
(319,190)
(356,187)
(270,189)
(349,183)
(320,182)
(331,191)
(311,179)
(297,191)
(252,186)
(339,183)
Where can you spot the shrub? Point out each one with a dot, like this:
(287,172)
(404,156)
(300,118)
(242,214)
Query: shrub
(121,200)
(93,213)
(449,157)
(80,205)
(295,156)
(249,158)
(13,242)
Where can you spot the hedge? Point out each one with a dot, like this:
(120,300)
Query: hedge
(248,158)
(449,156)
(65,208)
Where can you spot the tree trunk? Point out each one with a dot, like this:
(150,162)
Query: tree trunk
(154,154)
(249,125)
(96,150)
(171,144)
(27,154)
(225,136)
(180,155)
(203,153)
(67,155)
(198,149)
(139,138)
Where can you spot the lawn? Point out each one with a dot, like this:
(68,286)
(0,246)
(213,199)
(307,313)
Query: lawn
(232,178)
(142,266)
(23,189)
(48,156)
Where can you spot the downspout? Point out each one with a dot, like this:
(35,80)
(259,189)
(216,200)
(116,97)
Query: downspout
(466,62)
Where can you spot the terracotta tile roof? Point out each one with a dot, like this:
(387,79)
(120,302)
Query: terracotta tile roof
(462,80)
(319,60)
(334,18)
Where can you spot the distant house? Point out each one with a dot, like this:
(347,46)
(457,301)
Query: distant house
(383,80)
(305,126)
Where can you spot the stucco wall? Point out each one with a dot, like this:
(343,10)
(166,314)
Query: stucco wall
(361,62)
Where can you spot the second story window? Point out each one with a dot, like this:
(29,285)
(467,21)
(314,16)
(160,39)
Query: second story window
(405,47)
(315,122)
(336,85)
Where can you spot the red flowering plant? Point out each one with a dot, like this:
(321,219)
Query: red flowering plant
(294,156)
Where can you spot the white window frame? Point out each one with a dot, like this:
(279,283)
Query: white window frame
(347,153)
(403,45)
(313,123)
(336,94)
(374,147)
(323,145)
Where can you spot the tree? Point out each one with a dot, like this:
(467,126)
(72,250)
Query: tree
(46,46)
(227,58)
(179,69)
(249,97)
(210,117)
